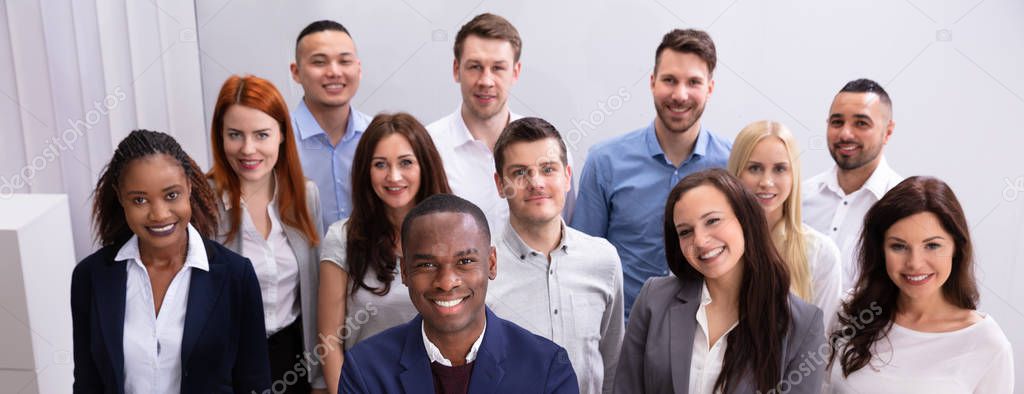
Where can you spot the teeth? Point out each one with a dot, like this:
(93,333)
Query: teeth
(448,304)
(334,85)
(713,253)
(847,147)
(162,229)
(250,162)
(916,278)
(677,109)
(393,189)
(766,195)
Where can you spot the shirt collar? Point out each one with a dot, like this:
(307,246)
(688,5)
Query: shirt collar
(521,249)
(434,354)
(460,132)
(308,127)
(700,147)
(877,183)
(195,257)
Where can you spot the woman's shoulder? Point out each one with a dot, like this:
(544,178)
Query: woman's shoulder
(98,258)
(804,314)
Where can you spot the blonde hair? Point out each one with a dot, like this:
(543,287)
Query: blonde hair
(788,234)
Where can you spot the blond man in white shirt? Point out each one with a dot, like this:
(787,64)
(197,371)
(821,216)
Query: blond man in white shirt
(860,123)
(486,67)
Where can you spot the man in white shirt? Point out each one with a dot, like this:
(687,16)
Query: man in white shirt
(486,66)
(860,123)
(556,281)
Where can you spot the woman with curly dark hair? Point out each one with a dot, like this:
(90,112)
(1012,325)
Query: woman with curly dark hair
(911,325)
(160,308)
(725,322)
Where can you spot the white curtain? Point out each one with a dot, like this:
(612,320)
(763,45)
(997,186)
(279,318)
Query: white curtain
(77,76)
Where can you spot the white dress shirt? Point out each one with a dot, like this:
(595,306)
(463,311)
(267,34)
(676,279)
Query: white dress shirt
(152,343)
(974,359)
(574,299)
(276,268)
(469,164)
(706,362)
(435,356)
(840,216)
(826,274)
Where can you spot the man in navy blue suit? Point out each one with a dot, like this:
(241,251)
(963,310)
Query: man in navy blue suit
(455,344)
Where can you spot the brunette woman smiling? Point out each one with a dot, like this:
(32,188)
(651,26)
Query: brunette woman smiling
(161,309)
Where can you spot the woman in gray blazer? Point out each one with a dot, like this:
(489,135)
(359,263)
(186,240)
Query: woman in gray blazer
(725,321)
(271,216)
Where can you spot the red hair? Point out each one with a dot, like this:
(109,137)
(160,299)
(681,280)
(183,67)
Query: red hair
(260,94)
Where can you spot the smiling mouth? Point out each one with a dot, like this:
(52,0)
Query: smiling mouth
(766,196)
(712,253)
(249,164)
(847,148)
(917,279)
(161,231)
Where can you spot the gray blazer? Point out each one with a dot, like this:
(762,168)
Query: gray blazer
(656,350)
(308,257)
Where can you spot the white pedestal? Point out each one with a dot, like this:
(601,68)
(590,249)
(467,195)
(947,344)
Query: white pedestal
(36,260)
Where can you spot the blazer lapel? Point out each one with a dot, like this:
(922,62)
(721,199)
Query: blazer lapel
(416,376)
(110,291)
(682,326)
(203,293)
(487,370)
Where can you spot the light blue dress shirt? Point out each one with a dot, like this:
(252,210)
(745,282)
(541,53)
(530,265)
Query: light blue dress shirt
(328,165)
(623,189)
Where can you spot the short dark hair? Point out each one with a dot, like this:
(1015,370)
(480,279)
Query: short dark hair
(692,41)
(864,85)
(491,26)
(445,203)
(319,26)
(527,129)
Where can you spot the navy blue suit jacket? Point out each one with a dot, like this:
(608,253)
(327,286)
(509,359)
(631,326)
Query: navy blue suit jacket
(510,360)
(224,345)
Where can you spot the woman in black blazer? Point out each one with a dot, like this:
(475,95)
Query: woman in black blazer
(161,309)
(725,321)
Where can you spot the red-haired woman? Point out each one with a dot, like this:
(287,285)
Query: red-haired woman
(271,216)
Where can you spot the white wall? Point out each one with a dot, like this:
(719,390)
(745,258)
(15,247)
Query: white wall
(951,67)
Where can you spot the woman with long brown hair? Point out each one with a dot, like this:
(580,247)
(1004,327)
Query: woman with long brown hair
(160,308)
(725,321)
(271,216)
(395,166)
(912,325)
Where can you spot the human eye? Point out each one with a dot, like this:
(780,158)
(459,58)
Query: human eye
(139,200)
(754,168)
(933,246)
(466,260)
(406,162)
(172,196)
(234,135)
(685,232)
(262,135)
(379,164)
(781,169)
(836,123)
(712,221)
(897,247)
(519,172)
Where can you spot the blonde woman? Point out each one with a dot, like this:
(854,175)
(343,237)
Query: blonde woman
(765,159)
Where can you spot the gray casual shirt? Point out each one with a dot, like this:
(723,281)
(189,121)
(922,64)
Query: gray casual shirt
(575,300)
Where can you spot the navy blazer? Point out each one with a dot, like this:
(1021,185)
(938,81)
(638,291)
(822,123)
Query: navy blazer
(510,360)
(224,345)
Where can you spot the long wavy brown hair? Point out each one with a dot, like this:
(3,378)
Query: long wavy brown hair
(755,345)
(371,236)
(258,93)
(107,213)
(875,292)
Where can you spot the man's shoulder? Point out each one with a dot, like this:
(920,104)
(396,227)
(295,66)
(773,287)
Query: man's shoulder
(614,145)
(384,346)
(524,345)
(594,246)
(440,126)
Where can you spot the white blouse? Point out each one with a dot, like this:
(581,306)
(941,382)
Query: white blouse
(706,362)
(974,359)
(826,274)
(276,268)
(152,343)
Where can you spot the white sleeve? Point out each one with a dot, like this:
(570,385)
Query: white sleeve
(998,378)
(826,276)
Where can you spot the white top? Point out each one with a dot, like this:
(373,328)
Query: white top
(469,164)
(829,210)
(706,363)
(152,343)
(276,268)
(435,356)
(975,359)
(366,313)
(575,299)
(826,274)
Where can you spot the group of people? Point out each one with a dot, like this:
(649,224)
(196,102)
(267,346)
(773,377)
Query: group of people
(330,251)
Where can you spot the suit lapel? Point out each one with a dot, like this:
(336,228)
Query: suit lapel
(416,376)
(682,326)
(110,290)
(487,369)
(203,293)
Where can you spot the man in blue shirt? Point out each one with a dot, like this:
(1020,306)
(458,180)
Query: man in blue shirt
(626,180)
(326,125)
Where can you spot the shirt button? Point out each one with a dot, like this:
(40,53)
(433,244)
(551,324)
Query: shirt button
(846,203)
(552,272)
(522,257)
(556,311)
(835,228)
